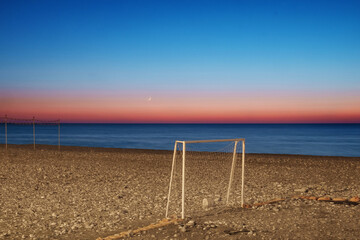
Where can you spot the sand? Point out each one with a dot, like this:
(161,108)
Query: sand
(86,193)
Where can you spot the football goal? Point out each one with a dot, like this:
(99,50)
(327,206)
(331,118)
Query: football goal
(209,177)
(21,130)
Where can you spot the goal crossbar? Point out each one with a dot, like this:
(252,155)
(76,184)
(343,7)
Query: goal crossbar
(235,140)
(214,140)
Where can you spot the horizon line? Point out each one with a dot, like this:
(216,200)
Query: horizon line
(211,122)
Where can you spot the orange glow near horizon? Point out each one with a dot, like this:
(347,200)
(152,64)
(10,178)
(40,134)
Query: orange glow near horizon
(186,108)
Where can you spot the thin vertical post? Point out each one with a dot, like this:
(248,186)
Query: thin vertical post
(6,132)
(242,173)
(231,173)
(34,131)
(183,184)
(171,179)
(59,134)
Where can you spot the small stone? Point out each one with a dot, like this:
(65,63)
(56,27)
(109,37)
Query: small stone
(88,226)
(191,223)
(303,190)
(207,203)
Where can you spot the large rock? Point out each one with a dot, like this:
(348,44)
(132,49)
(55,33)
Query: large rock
(208,203)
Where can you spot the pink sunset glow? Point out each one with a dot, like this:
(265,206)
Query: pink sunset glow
(191,107)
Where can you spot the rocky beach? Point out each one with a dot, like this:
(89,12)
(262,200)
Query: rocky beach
(90,193)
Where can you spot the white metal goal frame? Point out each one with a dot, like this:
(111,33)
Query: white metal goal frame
(236,141)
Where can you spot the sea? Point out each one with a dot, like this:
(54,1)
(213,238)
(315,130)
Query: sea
(305,139)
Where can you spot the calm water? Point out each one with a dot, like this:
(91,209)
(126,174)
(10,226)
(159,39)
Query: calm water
(310,139)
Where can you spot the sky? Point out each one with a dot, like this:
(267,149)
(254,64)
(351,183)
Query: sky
(181,61)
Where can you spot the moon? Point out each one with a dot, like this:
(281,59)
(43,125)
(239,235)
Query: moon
(149,99)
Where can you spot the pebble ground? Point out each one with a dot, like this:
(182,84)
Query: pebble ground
(86,193)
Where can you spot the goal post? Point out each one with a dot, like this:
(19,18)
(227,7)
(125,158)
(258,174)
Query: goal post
(33,122)
(185,153)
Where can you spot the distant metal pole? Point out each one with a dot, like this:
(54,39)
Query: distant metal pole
(6,132)
(34,131)
(59,135)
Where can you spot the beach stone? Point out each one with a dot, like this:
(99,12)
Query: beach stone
(302,190)
(207,203)
(191,223)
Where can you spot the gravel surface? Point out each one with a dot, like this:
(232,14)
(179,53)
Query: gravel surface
(86,193)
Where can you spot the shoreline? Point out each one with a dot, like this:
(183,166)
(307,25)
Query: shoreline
(111,149)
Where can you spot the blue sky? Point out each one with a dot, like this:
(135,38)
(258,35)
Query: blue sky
(185,44)
(149,47)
